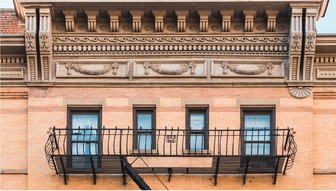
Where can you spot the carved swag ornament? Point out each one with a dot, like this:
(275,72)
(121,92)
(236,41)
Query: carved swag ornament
(259,70)
(80,69)
(183,69)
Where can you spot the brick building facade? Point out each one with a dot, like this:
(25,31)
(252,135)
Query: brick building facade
(167,94)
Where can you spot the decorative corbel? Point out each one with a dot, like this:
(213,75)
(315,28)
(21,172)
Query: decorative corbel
(226,19)
(114,20)
(92,20)
(137,17)
(249,19)
(271,20)
(159,15)
(204,20)
(181,20)
(70,16)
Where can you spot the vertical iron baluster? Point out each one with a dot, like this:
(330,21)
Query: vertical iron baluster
(214,145)
(128,128)
(139,141)
(101,137)
(265,139)
(146,140)
(170,145)
(195,148)
(77,139)
(65,137)
(114,139)
(282,144)
(183,138)
(252,141)
(164,141)
(177,139)
(108,141)
(259,142)
(227,140)
(120,141)
(157,141)
(89,140)
(233,143)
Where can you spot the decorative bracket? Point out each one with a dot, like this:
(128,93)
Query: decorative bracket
(137,17)
(114,20)
(249,19)
(159,15)
(181,20)
(204,20)
(70,16)
(92,20)
(271,20)
(226,19)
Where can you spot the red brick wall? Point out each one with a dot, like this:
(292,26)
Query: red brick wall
(9,23)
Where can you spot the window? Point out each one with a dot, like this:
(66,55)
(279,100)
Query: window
(197,123)
(258,125)
(144,128)
(84,129)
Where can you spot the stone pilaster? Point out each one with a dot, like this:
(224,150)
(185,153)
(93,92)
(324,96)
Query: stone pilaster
(30,43)
(45,36)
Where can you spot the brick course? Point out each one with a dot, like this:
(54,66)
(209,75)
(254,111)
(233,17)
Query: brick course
(9,23)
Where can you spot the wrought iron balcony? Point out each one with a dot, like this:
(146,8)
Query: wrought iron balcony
(105,151)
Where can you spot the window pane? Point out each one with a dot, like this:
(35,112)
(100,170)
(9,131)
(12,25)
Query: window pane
(84,148)
(257,121)
(260,124)
(197,121)
(84,123)
(257,148)
(196,142)
(144,141)
(144,120)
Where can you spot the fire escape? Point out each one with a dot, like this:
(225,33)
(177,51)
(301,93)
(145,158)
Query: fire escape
(114,150)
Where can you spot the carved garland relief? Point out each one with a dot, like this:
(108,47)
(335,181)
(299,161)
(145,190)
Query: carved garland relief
(157,69)
(237,70)
(81,69)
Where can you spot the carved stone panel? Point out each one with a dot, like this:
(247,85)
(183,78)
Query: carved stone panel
(12,73)
(169,68)
(69,69)
(326,73)
(247,68)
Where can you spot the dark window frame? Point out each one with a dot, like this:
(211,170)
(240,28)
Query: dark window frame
(136,131)
(83,110)
(258,110)
(197,109)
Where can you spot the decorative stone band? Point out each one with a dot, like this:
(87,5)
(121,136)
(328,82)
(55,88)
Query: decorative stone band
(156,68)
(171,39)
(81,69)
(256,71)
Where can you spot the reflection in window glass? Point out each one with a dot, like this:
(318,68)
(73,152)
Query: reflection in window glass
(196,142)
(144,121)
(197,121)
(144,141)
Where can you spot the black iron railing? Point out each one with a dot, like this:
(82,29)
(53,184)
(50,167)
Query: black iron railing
(170,142)
(108,151)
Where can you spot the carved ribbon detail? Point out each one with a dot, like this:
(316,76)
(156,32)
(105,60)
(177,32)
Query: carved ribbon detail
(80,69)
(310,41)
(259,70)
(183,69)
